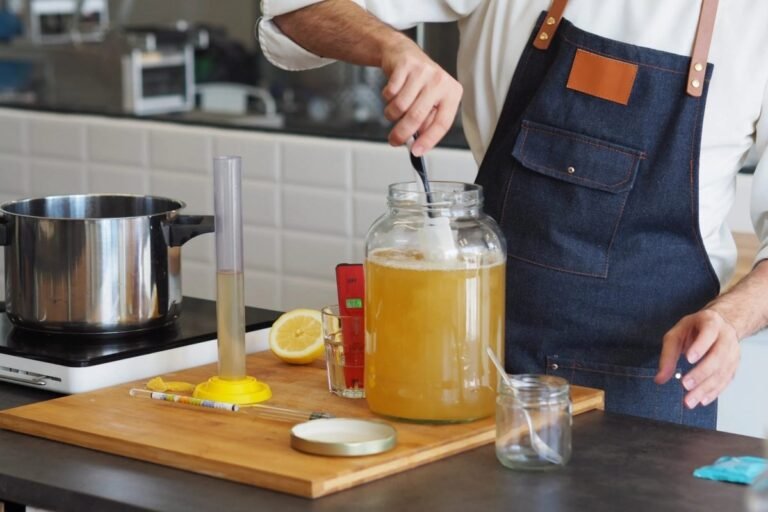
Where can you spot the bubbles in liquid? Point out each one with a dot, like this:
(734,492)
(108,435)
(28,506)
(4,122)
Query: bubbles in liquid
(415,259)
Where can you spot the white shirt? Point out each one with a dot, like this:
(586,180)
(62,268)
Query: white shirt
(494,32)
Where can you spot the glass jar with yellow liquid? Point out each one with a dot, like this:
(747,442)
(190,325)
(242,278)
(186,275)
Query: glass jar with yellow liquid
(434,301)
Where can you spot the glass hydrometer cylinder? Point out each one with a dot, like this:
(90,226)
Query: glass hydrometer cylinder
(230,299)
(231,385)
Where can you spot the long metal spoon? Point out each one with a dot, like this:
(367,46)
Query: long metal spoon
(539,445)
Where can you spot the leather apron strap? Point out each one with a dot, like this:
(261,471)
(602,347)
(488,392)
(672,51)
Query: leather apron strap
(701,43)
(551,22)
(701,47)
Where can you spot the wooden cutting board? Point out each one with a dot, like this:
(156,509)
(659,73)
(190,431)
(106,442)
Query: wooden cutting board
(240,447)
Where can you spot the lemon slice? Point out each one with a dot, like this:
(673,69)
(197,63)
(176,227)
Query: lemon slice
(296,337)
(158,384)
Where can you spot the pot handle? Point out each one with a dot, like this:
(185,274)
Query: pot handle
(186,227)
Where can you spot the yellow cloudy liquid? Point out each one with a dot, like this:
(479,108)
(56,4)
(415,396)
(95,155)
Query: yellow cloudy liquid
(230,317)
(427,328)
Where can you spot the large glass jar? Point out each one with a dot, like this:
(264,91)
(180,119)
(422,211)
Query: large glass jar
(434,303)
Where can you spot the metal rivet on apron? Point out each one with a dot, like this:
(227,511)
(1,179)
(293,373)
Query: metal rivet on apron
(543,36)
(550,21)
(678,375)
(571,170)
(554,366)
(698,66)
(695,83)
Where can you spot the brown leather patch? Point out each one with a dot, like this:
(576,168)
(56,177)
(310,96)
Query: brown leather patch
(606,78)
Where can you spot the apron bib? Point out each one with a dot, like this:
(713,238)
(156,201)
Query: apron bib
(592,174)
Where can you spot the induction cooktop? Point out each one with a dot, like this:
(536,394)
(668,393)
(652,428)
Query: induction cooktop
(70,363)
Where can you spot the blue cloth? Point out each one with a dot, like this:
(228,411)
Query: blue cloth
(739,470)
(598,202)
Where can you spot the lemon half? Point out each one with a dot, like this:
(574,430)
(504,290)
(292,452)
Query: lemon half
(297,336)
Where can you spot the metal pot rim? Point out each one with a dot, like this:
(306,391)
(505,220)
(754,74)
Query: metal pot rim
(4,206)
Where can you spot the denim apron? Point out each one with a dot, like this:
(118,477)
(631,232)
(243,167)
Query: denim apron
(598,201)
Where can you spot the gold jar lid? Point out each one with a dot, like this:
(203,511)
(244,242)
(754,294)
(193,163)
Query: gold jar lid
(345,437)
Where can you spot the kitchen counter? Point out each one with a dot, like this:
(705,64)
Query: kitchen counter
(295,124)
(619,463)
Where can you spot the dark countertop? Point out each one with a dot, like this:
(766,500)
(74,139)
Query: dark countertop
(619,463)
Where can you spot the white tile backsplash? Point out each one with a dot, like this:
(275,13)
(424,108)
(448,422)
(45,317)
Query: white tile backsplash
(358,250)
(52,137)
(307,201)
(261,249)
(11,134)
(126,145)
(112,179)
(376,166)
(313,161)
(316,210)
(366,209)
(50,177)
(181,150)
(193,189)
(259,203)
(308,293)
(262,289)
(14,178)
(198,279)
(313,256)
(260,153)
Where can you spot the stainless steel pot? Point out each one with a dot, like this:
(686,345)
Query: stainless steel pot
(95,263)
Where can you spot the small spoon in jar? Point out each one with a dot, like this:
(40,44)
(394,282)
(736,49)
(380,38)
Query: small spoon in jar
(540,446)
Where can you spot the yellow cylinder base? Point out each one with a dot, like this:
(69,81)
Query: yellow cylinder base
(241,391)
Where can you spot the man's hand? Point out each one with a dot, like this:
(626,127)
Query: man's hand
(708,339)
(420,96)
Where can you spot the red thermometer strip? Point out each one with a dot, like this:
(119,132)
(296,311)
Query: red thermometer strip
(350,284)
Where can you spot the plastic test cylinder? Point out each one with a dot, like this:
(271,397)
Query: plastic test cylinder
(230,299)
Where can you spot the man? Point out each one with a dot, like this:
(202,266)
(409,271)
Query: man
(608,176)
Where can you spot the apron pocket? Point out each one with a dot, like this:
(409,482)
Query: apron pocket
(628,390)
(565,198)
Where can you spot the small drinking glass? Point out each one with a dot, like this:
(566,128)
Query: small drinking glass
(344,337)
(533,422)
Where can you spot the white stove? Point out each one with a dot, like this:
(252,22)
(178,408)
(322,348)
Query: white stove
(75,364)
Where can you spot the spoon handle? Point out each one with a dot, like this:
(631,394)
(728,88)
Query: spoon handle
(419,164)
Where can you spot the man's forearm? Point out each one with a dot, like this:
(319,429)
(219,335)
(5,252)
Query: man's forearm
(745,306)
(341,30)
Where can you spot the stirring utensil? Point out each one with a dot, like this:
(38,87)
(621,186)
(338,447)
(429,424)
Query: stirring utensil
(539,445)
(419,164)
(437,236)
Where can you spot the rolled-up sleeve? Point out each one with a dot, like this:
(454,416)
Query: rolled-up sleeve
(284,53)
(759,201)
(279,49)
